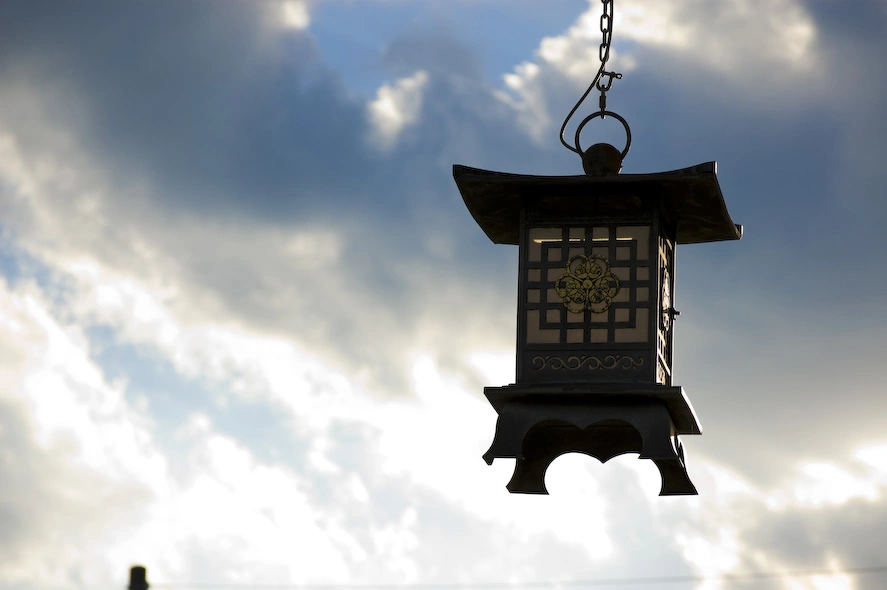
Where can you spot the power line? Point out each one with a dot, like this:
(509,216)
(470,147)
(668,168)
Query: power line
(520,585)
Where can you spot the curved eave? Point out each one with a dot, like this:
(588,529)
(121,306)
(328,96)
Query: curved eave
(691,195)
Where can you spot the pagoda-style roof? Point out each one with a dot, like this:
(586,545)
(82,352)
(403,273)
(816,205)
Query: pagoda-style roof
(691,196)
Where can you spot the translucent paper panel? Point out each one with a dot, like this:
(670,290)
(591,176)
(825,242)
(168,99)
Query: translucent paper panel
(603,251)
(538,236)
(575,336)
(640,333)
(535,334)
(641,233)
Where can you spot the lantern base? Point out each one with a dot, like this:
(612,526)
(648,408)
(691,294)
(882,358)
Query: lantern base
(538,423)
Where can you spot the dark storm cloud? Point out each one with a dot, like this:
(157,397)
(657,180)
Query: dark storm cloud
(799,135)
(214,114)
(205,112)
(780,336)
(857,91)
(219,113)
(202,100)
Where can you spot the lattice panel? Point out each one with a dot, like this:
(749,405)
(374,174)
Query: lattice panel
(589,285)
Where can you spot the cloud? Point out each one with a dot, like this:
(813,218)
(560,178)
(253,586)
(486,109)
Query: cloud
(294,14)
(714,47)
(90,468)
(759,337)
(396,107)
(161,505)
(79,467)
(215,210)
(317,272)
(227,116)
(731,37)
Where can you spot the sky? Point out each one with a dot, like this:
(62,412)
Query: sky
(246,319)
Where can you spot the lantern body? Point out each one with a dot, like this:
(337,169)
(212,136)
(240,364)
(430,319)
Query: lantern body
(595,298)
(595,313)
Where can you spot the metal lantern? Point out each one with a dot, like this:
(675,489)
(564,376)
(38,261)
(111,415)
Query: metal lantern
(595,310)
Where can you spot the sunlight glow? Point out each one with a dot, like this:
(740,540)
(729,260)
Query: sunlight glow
(496,368)
(827,483)
(294,14)
(875,456)
(711,557)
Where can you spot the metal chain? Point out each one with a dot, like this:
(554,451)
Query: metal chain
(606,30)
(606,26)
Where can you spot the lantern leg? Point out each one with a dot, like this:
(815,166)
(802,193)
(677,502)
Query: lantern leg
(535,430)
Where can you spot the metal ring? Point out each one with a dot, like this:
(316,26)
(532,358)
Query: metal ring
(603,114)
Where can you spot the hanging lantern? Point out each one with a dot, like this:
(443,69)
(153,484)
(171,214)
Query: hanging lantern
(595,306)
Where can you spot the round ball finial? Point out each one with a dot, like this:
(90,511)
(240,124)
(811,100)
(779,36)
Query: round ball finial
(602,159)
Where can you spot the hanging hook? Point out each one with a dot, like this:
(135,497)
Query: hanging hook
(603,87)
(619,118)
(603,81)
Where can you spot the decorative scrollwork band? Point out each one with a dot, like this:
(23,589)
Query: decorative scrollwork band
(592,363)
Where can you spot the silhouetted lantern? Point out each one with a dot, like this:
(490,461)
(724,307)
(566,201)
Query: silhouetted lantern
(595,310)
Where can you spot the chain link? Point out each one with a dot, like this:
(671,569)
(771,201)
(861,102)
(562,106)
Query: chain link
(604,54)
(606,31)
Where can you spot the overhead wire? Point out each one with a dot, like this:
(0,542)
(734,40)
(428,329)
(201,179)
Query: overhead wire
(639,581)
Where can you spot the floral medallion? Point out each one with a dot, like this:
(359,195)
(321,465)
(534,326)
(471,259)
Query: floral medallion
(587,284)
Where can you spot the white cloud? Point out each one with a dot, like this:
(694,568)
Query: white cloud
(430,442)
(819,484)
(827,483)
(396,107)
(747,47)
(714,556)
(293,14)
(101,453)
(875,456)
(391,487)
(84,468)
(68,396)
(269,513)
(528,98)
(733,37)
